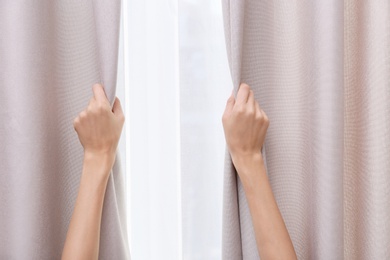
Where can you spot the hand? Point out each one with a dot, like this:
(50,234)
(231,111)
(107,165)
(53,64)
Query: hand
(99,127)
(245,125)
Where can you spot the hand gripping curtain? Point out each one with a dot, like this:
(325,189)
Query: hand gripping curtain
(51,53)
(321,72)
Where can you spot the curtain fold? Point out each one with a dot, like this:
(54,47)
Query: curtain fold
(51,53)
(321,72)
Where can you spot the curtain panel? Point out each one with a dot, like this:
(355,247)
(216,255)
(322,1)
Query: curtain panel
(321,72)
(51,53)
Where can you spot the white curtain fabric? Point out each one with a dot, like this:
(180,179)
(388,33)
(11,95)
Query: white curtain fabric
(178,83)
(321,72)
(154,153)
(51,52)
(205,85)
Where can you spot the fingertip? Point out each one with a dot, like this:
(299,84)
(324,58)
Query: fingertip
(76,122)
(231,98)
(117,107)
(117,102)
(243,93)
(244,86)
(99,93)
(229,104)
(97,86)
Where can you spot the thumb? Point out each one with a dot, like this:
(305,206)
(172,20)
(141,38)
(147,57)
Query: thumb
(230,104)
(117,108)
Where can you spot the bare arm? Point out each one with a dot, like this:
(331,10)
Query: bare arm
(245,126)
(99,129)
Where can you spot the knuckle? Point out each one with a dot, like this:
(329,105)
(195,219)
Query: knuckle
(258,117)
(89,109)
(251,112)
(83,115)
(122,118)
(265,117)
(224,118)
(240,110)
(76,122)
(267,122)
(244,86)
(101,108)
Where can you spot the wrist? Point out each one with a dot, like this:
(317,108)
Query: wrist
(246,160)
(250,167)
(99,164)
(102,157)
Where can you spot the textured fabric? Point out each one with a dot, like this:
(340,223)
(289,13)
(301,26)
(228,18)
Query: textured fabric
(51,52)
(321,72)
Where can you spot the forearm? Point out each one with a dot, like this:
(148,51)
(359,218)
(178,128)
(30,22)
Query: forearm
(82,241)
(273,240)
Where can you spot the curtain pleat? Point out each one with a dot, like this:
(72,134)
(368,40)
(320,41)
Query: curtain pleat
(321,72)
(367,129)
(51,53)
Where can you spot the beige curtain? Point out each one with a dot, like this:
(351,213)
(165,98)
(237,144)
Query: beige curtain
(321,71)
(51,52)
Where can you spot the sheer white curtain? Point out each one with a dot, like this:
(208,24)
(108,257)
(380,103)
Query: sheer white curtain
(174,80)
(205,84)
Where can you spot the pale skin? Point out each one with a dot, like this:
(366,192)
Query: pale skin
(99,128)
(245,125)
